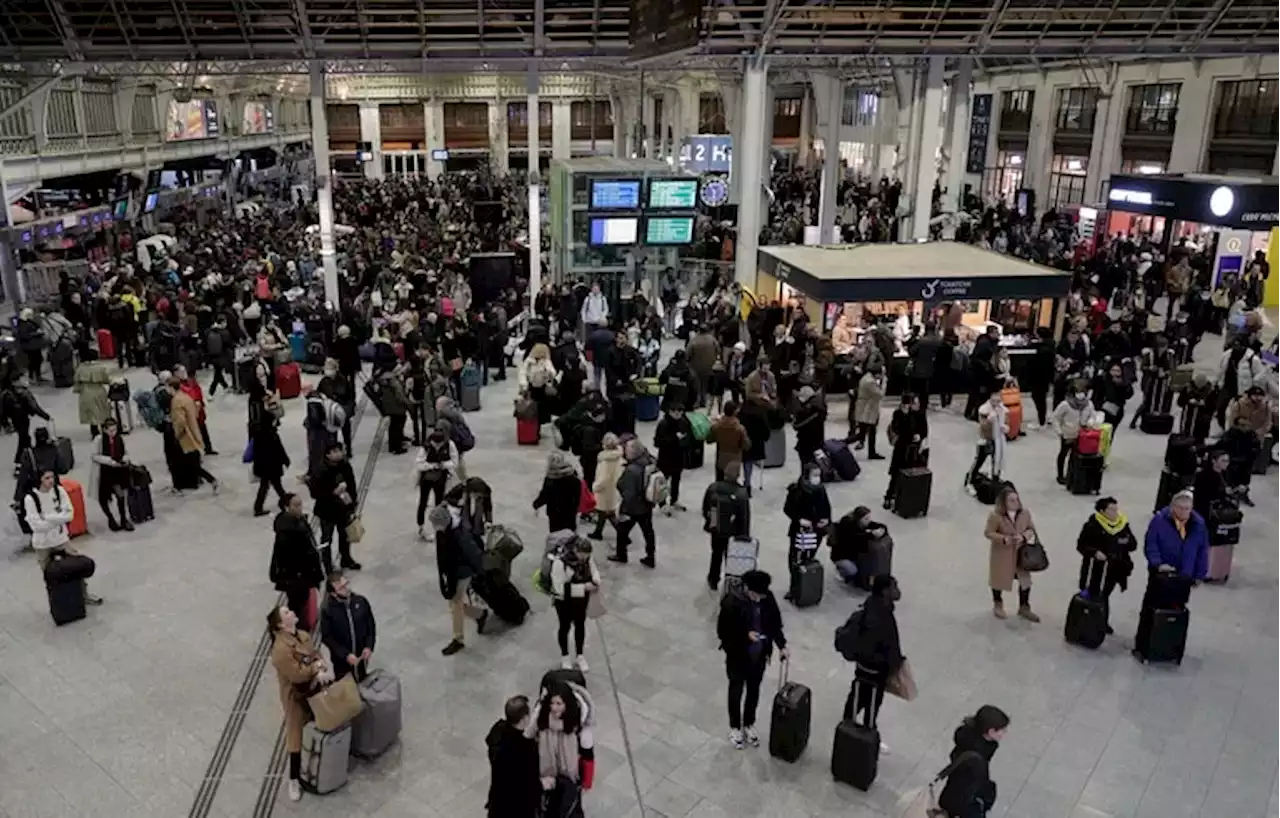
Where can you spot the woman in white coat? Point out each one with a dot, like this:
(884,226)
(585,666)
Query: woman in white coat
(537,377)
(605,488)
(49,511)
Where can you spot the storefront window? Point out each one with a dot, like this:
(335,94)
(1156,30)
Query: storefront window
(1066,179)
(1020,316)
(1001,182)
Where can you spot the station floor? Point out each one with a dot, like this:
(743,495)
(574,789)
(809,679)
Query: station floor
(129,713)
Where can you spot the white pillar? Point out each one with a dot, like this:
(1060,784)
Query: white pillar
(561,129)
(371,132)
(930,139)
(731,96)
(684,121)
(649,146)
(1040,144)
(324,184)
(433,124)
(833,93)
(535,198)
(751,148)
(804,148)
(1098,170)
(1191,131)
(620,119)
(499,152)
(958,112)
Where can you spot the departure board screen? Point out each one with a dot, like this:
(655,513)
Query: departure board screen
(614,230)
(668,230)
(673,194)
(615,194)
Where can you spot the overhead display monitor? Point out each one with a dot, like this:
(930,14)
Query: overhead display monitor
(120,209)
(615,194)
(673,194)
(150,204)
(614,230)
(668,230)
(196,119)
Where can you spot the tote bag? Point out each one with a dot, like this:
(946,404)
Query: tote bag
(337,704)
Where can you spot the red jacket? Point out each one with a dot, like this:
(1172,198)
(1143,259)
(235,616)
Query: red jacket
(191,387)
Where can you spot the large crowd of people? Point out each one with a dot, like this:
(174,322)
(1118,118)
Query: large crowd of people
(244,298)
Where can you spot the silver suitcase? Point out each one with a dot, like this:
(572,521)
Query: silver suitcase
(775,449)
(740,556)
(325,756)
(470,398)
(378,725)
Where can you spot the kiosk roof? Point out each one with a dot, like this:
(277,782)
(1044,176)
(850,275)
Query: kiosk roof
(936,259)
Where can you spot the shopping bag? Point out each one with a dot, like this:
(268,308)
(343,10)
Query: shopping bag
(595,606)
(355,530)
(337,704)
(247,457)
(902,683)
(586,500)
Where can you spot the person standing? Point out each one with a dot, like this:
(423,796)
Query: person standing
(595,310)
(673,438)
(993,433)
(192,388)
(395,405)
(574,578)
(924,357)
(636,509)
(348,629)
(874,643)
(726,512)
(435,466)
(184,416)
(969,791)
(333,486)
(91,381)
(864,414)
(515,790)
(458,559)
(47,510)
(730,438)
(810,424)
(1069,417)
(1009,527)
(1105,543)
(909,436)
(298,666)
(749,628)
(1176,546)
(561,493)
(113,475)
(295,567)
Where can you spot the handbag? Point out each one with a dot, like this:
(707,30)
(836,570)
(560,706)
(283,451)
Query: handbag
(902,682)
(336,704)
(1032,557)
(355,530)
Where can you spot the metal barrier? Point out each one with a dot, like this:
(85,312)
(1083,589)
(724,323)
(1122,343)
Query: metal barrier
(38,281)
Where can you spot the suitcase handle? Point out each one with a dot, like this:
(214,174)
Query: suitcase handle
(784,672)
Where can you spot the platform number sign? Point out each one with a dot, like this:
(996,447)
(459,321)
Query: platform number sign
(979,129)
(707,154)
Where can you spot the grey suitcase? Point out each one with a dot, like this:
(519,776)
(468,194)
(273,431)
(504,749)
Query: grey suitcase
(740,556)
(469,398)
(378,725)
(775,449)
(325,756)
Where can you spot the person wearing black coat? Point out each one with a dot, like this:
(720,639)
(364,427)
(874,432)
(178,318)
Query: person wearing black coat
(677,379)
(726,514)
(1105,543)
(346,351)
(1110,394)
(672,438)
(1039,375)
(333,485)
(909,434)
(851,539)
(810,423)
(969,791)
(924,358)
(296,567)
(458,559)
(515,789)
(878,651)
(341,389)
(19,405)
(270,459)
(561,493)
(1197,401)
(348,629)
(1210,486)
(749,627)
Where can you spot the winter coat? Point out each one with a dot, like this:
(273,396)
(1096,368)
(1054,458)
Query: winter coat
(703,353)
(723,495)
(515,790)
(806,502)
(185,417)
(810,427)
(969,780)
(347,628)
(1163,545)
(731,440)
(870,394)
(879,639)
(632,485)
(561,495)
(296,663)
(219,348)
(672,438)
(91,381)
(47,513)
(1003,560)
(1068,420)
(394,399)
(295,561)
(608,471)
(734,623)
(1116,544)
(458,555)
(324,482)
(270,459)
(907,430)
(1258,413)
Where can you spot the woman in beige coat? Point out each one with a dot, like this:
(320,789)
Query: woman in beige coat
(608,471)
(297,665)
(864,413)
(91,381)
(1009,526)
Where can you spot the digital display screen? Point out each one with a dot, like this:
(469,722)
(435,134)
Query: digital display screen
(673,194)
(668,230)
(150,203)
(615,194)
(120,209)
(196,119)
(614,230)
(439,155)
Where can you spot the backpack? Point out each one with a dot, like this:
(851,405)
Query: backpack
(656,488)
(724,512)
(149,409)
(462,437)
(850,638)
(558,544)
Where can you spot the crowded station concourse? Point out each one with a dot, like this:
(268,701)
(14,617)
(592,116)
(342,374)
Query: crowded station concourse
(347,482)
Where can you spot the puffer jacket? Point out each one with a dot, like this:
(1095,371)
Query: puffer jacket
(631,487)
(608,472)
(1068,420)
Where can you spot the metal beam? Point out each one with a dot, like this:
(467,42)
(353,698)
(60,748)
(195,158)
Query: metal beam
(989,28)
(1209,23)
(68,33)
(43,86)
(304,29)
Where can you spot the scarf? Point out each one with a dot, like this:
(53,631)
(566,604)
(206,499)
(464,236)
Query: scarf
(1112,528)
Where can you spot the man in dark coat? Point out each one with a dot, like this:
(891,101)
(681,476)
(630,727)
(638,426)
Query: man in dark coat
(749,628)
(333,485)
(515,790)
(673,438)
(348,628)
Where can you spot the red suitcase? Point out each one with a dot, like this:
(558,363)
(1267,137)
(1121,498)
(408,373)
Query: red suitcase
(106,345)
(79,524)
(527,432)
(1089,441)
(289,380)
(1220,557)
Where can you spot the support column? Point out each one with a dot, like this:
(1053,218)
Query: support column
(930,139)
(731,97)
(14,295)
(324,184)
(1191,131)
(371,132)
(1098,170)
(648,136)
(433,124)
(618,107)
(535,196)
(1040,144)
(832,89)
(561,129)
(751,148)
(804,148)
(684,118)
(958,113)
(499,152)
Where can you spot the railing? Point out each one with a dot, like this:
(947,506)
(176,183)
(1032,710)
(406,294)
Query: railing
(38,281)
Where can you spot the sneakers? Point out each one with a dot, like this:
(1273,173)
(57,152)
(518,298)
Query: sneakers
(970,490)
(1025,612)
(566,662)
(452,648)
(752,737)
(581,663)
(735,738)
(648,562)
(92,599)
(295,790)
(998,610)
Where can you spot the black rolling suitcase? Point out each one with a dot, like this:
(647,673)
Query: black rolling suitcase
(1168,635)
(1170,484)
(1180,454)
(789,724)
(855,754)
(987,487)
(842,460)
(64,578)
(502,597)
(912,496)
(807,581)
(1086,622)
(1085,475)
(1156,423)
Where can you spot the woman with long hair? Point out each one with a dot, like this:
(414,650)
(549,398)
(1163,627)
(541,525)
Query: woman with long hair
(298,664)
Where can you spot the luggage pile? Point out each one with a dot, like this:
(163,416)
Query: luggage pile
(327,750)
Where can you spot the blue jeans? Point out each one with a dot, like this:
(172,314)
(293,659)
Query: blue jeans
(846,569)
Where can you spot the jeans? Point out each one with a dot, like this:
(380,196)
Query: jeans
(571,612)
(744,693)
(847,569)
(645,521)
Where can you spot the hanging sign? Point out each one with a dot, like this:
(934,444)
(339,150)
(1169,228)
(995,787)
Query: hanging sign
(979,129)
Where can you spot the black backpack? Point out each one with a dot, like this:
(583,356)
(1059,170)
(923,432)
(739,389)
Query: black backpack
(851,637)
(724,512)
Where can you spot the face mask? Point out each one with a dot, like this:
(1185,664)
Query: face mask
(815,480)
(1081,396)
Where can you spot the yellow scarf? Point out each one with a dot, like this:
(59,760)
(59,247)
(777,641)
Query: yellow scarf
(1108,526)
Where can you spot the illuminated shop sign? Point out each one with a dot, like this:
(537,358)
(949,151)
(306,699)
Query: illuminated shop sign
(1120,194)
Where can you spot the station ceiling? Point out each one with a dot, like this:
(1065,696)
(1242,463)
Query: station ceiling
(395,36)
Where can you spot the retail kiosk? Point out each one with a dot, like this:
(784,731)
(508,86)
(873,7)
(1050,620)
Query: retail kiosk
(947,282)
(1233,217)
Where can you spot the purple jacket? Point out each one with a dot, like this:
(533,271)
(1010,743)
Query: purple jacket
(1164,546)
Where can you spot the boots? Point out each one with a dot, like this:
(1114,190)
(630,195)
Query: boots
(1024,606)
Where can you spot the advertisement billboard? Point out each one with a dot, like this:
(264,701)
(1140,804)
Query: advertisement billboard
(196,119)
(257,118)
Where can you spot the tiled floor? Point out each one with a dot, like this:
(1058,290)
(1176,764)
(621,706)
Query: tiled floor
(119,715)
